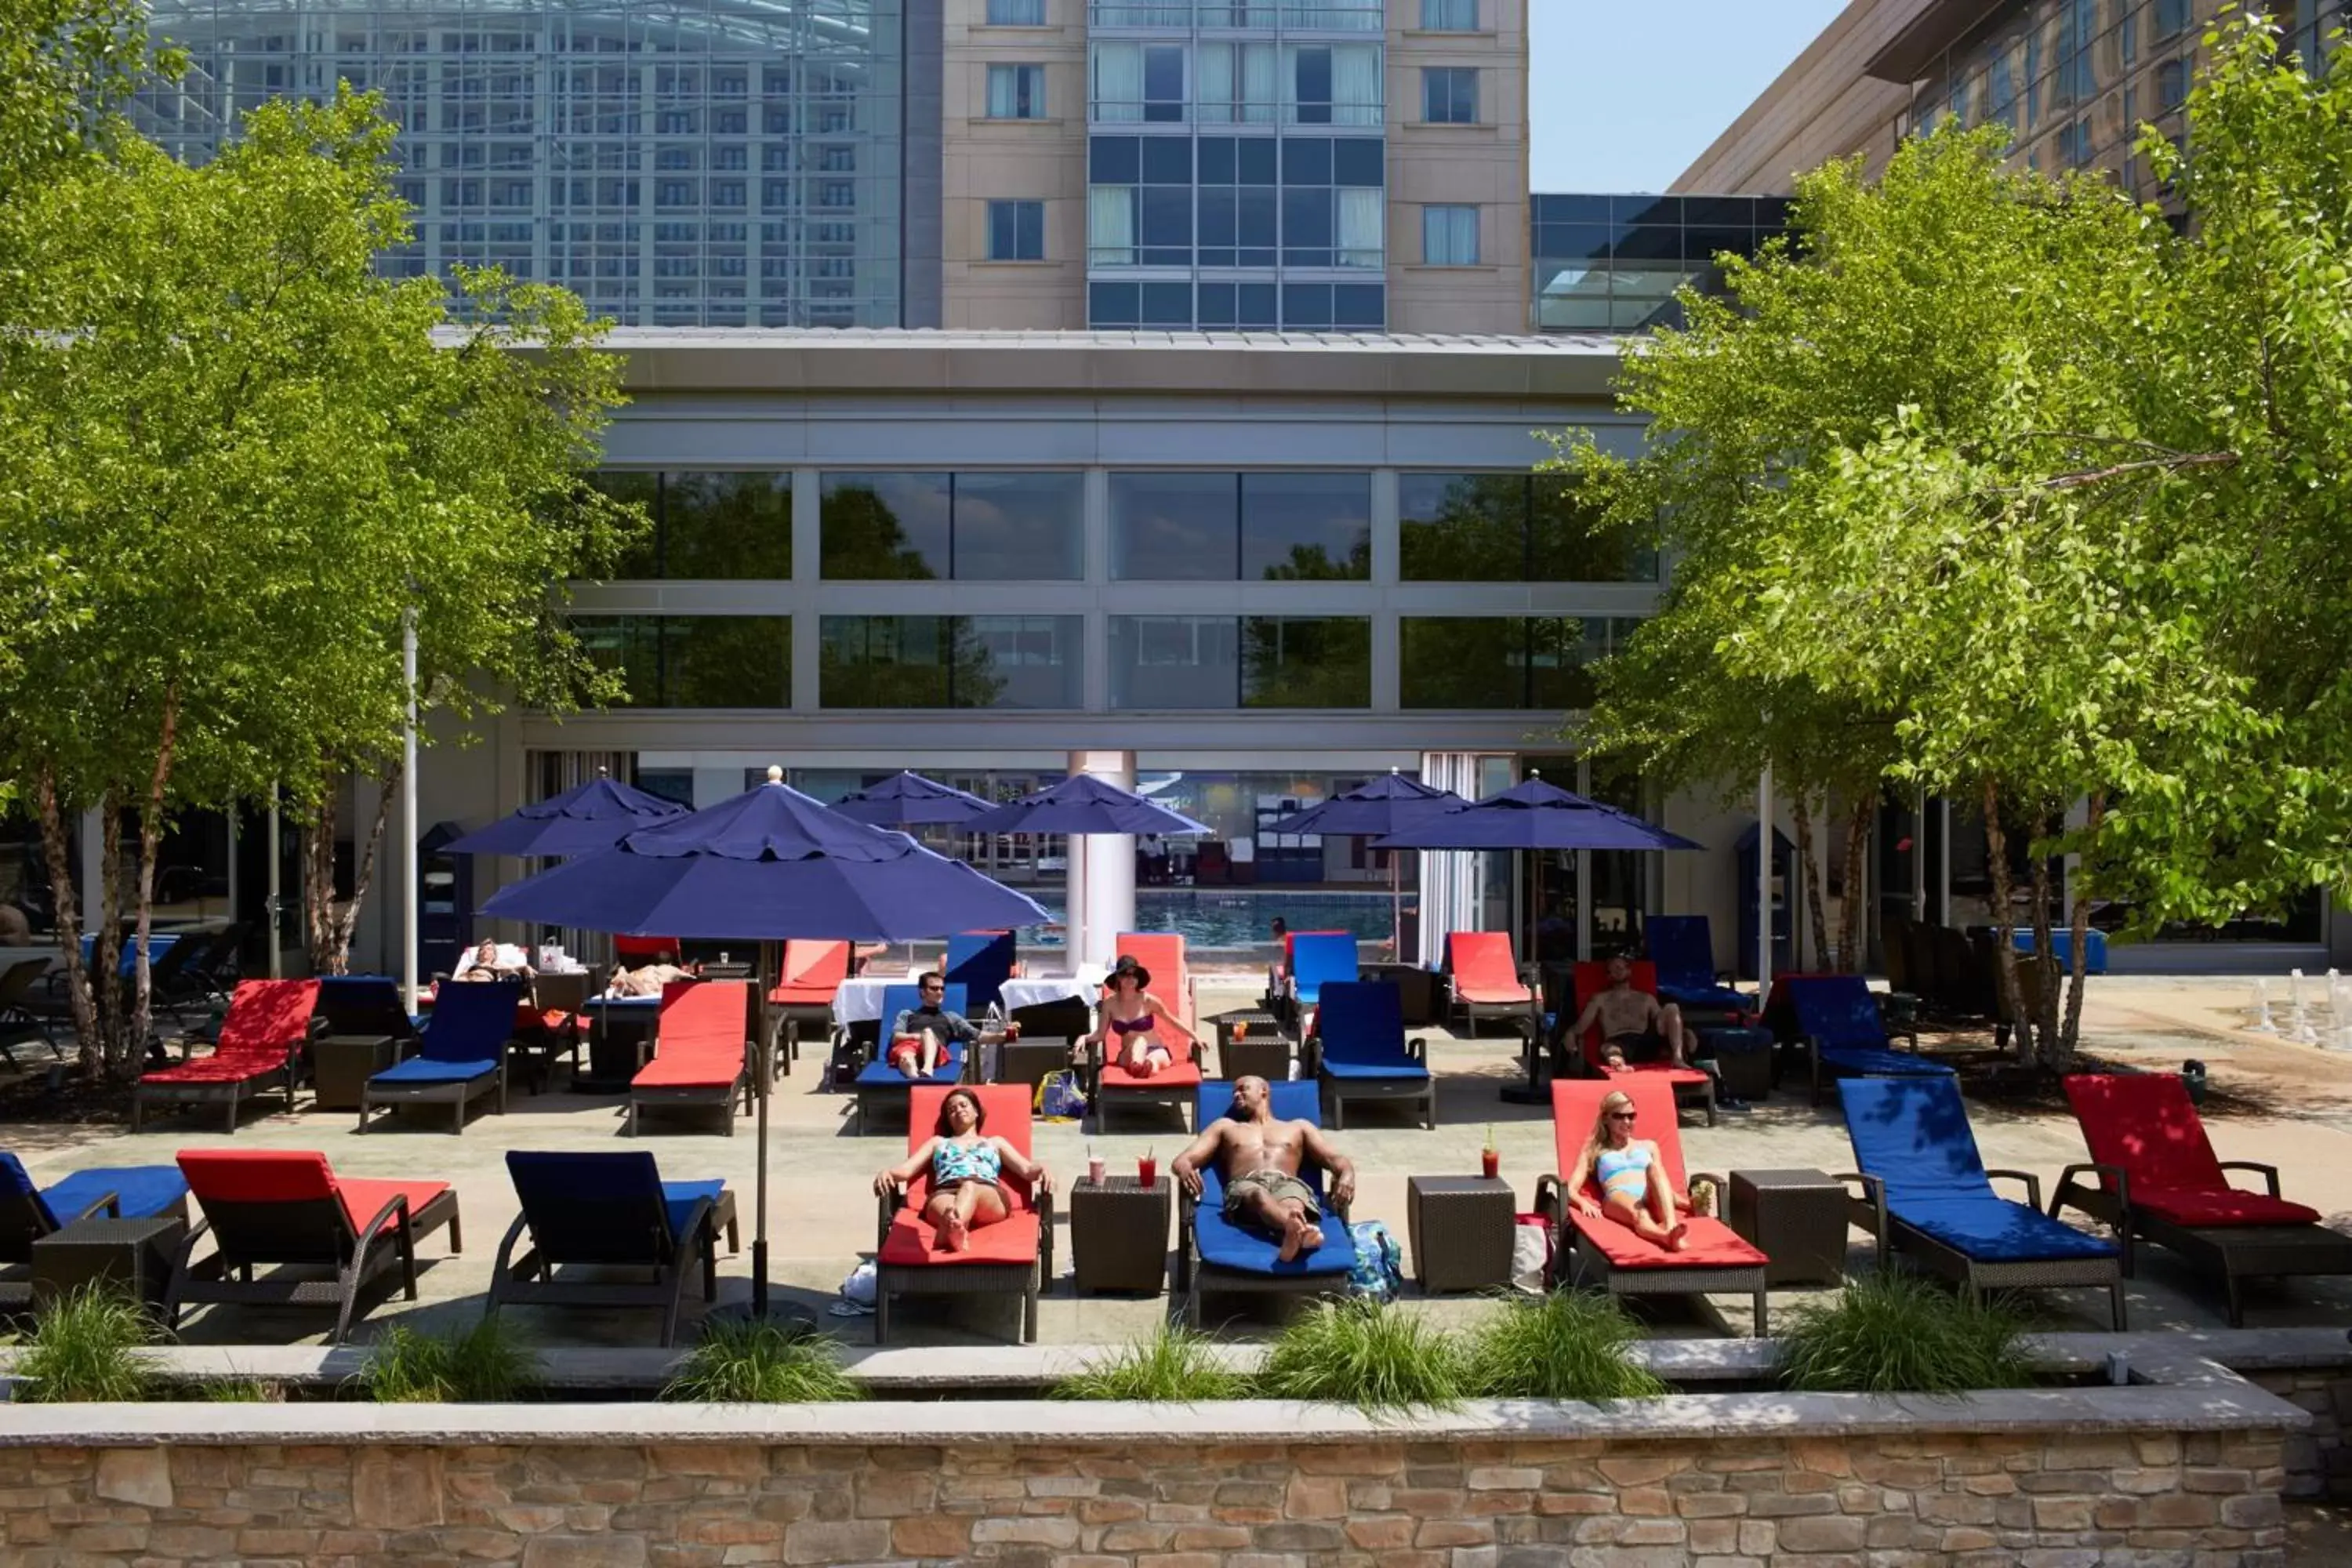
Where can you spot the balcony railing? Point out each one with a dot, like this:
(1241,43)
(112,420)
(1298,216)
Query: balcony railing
(1254,15)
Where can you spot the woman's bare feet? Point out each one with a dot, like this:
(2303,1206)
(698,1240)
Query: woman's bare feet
(955,1235)
(1675,1233)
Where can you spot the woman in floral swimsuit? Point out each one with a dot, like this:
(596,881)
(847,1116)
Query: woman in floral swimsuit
(965,1166)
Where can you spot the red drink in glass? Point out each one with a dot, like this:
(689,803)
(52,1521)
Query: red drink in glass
(1490,1162)
(1147,1170)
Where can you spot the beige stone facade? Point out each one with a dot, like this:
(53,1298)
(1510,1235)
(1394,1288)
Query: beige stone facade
(986,159)
(1485,164)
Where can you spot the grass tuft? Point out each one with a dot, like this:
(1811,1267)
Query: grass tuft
(84,1349)
(1568,1344)
(1898,1334)
(488,1363)
(1357,1352)
(744,1361)
(1175,1364)
(236,1391)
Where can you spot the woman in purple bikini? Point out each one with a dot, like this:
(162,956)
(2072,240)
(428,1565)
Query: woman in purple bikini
(1131,1015)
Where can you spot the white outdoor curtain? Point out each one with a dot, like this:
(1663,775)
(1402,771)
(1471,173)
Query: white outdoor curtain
(1236,84)
(1355,94)
(1118,82)
(1213,86)
(1362,212)
(1452,880)
(1006,101)
(1110,225)
(1261,83)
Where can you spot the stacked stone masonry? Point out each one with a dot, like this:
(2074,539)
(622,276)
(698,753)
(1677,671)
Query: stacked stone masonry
(2200,1501)
(2318,1463)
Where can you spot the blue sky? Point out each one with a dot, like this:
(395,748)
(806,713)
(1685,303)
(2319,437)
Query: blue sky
(1626,93)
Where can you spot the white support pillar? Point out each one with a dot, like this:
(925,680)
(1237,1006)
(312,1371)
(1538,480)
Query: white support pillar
(1764,858)
(408,826)
(1919,855)
(1108,869)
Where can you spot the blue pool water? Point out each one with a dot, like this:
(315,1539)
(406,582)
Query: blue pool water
(1237,920)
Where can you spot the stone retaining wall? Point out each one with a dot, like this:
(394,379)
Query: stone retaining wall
(2318,1462)
(1397,1501)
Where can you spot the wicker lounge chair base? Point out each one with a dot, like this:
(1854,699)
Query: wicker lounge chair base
(1977,1276)
(379,1251)
(1420,1094)
(530,1282)
(703,1096)
(2236,1253)
(232,1095)
(1587,1262)
(963,1279)
(458,1095)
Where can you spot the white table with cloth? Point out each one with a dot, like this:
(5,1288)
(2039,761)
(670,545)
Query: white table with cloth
(859,1000)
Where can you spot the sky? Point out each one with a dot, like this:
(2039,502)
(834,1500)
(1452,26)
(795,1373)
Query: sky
(1626,93)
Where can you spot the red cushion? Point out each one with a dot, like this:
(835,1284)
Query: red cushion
(363,1199)
(911,1241)
(1182,1074)
(256,1175)
(699,1038)
(269,1014)
(1576,1106)
(235,1066)
(1708,1244)
(1484,970)
(2146,1124)
(673,1067)
(1673,1075)
(2203,1206)
(803,996)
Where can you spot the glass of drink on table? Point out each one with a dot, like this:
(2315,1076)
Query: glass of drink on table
(1147,1168)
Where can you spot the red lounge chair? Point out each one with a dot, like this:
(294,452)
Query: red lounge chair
(2154,1175)
(700,1050)
(1011,1257)
(631,951)
(1715,1259)
(1162,954)
(1591,979)
(261,1042)
(1176,1085)
(284,1209)
(802,1000)
(1487,982)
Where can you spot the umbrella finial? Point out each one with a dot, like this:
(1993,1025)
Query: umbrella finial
(775,773)
(601,772)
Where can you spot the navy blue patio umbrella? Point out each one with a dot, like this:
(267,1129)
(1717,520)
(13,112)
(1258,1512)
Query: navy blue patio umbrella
(768,864)
(911,800)
(592,816)
(1388,805)
(1083,803)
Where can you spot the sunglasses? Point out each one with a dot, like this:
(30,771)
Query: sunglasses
(1621,1116)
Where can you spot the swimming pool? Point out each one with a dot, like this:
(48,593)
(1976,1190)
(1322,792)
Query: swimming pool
(1236,920)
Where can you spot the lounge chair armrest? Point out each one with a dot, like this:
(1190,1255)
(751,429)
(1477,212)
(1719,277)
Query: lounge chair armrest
(2113,1181)
(1873,1201)
(1046,1236)
(1550,1201)
(1417,1049)
(2269,1172)
(110,1202)
(886,1206)
(2032,1184)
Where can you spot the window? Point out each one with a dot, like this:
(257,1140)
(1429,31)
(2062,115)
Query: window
(2171,86)
(1449,236)
(1016,92)
(1174,527)
(1449,95)
(730,526)
(2171,16)
(1504,662)
(1135,81)
(1449,16)
(1252,662)
(1016,13)
(975,527)
(1298,527)
(948,661)
(695,661)
(1194,527)
(1175,661)
(1236,84)
(1508,528)
(1016,231)
(1294,661)
(1332,84)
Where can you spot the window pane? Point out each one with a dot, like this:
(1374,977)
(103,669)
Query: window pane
(1016,13)
(883,661)
(1017,661)
(878,526)
(1307,526)
(1306,661)
(1174,661)
(1462,662)
(1461,528)
(726,661)
(1169,527)
(644,559)
(1563,547)
(1018,527)
(1560,648)
(630,644)
(727,525)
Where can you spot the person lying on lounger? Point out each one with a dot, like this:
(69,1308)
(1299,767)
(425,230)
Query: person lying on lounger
(1131,1024)
(1630,1174)
(646,980)
(919,1034)
(966,1166)
(1260,1159)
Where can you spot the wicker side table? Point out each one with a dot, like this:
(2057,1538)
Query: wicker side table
(1797,1218)
(1262,1050)
(1743,1058)
(133,1254)
(341,1066)
(1459,1229)
(1118,1233)
(1029,1059)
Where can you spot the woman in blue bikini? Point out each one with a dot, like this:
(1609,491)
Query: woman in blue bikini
(1131,1015)
(1631,1176)
(965,1164)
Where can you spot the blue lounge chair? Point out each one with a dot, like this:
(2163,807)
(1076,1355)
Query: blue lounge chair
(980,961)
(1318,958)
(1926,1193)
(1213,1254)
(878,1083)
(605,1212)
(29,1213)
(464,1055)
(1359,1050)
(1845,1036)
(1682,949)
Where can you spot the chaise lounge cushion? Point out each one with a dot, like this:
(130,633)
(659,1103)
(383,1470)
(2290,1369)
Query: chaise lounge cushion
(1183,1074)
(1485,971)
(1576,1106)
(1708,1244)
(425,1069)
(143,1191)
(1882,1061)
(295,1175)
(2146,1124)
(678,1199)
(913,1241)
(1994,1229)
(1224,1245)
(1360,1025)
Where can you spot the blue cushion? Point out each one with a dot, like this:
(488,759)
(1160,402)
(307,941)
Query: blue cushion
(1358,1072)
(1682,949)
(1998,1230)
(471,1020)
(1361,1026)
(426,1070)
(146,1191)
(1720,998)
(1837,1010)
(15,1182)
(881,1074)
(982,962)
(1230,1246)
(607,1207)
(897,999)
(1318,958)
(1881,1061)
(679,1199)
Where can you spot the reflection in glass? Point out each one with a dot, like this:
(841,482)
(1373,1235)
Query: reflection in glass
(1504,662)
(880,527)
(695,661)
(642,560)
(1461,528)
(1566,542)
(1174,661)
(950,661)
(1298,661)
(1307,526)
(1174,527)
(1019,527)
(727,525)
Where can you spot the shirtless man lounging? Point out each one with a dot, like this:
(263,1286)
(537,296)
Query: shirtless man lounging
(1634,1025)
(1260,1159)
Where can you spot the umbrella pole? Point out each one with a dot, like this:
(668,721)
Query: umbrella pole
(1396,910)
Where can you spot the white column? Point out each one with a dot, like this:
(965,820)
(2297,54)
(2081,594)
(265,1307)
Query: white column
(1764,858)
(408,826)
(1919,855)
(1108,874)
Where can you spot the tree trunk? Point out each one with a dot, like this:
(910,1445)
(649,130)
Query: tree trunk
(318,884)
(2004,954)
(387,789)
(2045,972)
(330,926)
(150,843)
(1852,925)
(57,853)
(2070,1034)
(105,954)
(1802,814)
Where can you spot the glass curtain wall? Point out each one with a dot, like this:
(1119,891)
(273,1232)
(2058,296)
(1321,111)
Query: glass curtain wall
(702,163)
